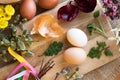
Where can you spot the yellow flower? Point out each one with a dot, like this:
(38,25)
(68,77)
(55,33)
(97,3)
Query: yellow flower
(9,10)
(1,14)
(7,17)
(3,24)
(1,10)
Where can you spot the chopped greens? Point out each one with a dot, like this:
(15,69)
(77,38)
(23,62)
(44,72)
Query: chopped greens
(96,52)
(54,49)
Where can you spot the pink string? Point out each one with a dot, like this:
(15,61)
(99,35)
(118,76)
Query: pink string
(29,70)
(26,75)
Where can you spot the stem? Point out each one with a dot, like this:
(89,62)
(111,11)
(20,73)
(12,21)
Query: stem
(102,32)
(57,75)
(100,24)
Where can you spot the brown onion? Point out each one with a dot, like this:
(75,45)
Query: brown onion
(86,5)
(68,12)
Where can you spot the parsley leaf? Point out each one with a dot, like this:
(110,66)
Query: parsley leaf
(96,52)
(96,14)
(101,44)
(108,52)
(53,49)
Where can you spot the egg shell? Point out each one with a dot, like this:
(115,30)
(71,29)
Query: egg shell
(77,37)
(74,55)
(28,9)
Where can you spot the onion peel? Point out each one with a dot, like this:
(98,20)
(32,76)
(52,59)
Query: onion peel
(47,26)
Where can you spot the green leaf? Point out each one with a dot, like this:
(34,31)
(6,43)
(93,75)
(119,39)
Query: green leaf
(96,14)
(17,18)
(94,53)
(108,52)
(6,41)
(91,28)
(21,45)
(13,45)
(53,49)
(101,44)
(24,20)
(14,29)
(78,76)
(29,41)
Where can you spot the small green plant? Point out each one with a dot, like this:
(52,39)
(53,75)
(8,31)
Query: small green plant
(96,52)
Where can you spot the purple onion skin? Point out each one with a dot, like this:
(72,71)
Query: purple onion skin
(86,5)
(68,12)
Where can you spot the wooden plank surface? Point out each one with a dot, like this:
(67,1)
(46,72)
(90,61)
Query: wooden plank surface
(8,1)
(81,23)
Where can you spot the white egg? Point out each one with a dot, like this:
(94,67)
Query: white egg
(74,55)
(77,37)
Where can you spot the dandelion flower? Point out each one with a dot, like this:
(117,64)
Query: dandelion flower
(7,17)
(3,24)
(9,10)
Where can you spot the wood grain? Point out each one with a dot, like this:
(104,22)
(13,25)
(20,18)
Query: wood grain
(8,1)
(80,22)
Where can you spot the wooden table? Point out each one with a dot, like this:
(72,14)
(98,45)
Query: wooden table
(110,71)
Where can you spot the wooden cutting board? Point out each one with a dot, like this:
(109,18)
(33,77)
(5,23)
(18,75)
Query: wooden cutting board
(42,44)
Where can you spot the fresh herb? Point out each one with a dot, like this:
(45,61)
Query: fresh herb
(108,52)
(69,74)
(96,14)
(96,52)
(93,28)
(54,49)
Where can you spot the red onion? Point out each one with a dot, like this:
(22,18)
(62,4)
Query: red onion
(86,5)
(68,12)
